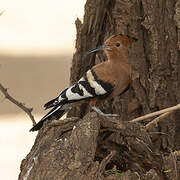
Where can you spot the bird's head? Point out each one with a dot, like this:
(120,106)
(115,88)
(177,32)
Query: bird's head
(115,45)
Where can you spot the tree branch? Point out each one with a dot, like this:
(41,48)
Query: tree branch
(156,120)
(104,162)
(176,153)
(167,110)
(19,104)
(1,13)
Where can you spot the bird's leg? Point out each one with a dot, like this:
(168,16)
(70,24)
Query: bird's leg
(103,114)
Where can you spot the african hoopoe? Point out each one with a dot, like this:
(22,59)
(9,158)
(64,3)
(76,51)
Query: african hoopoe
(105,80)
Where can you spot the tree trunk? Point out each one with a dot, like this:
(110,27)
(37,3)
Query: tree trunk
(98,148)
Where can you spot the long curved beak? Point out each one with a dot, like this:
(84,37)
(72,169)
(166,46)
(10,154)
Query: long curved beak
(99,48)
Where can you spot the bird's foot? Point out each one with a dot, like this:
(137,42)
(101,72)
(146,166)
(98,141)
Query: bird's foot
(103,114)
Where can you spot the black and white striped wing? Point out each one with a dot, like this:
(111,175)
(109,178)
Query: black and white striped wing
(88,86)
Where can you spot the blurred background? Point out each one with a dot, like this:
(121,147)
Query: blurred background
(37,41)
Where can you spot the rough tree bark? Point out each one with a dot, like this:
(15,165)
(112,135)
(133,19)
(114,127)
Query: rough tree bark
(111,148)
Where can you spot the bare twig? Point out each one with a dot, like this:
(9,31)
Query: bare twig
(175,164)
(19,104)
(176,153)
(158,133)
(63,122)
(156,120)
(105,161)
(1,13)
(145,144)
(156,113)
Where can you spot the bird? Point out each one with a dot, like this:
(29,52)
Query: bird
(103,81)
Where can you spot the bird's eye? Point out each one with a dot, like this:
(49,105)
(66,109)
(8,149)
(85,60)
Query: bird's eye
(117,44)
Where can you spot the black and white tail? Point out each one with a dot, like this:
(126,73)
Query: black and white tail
(57,112)
(56,101)
(89,86)
(51,103)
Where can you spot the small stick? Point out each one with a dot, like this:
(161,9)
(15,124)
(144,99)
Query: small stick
(158,133)
(175,164)
(156,120)
(105,161)
(156,113)
(1,13)
(19,104)
(176,153)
